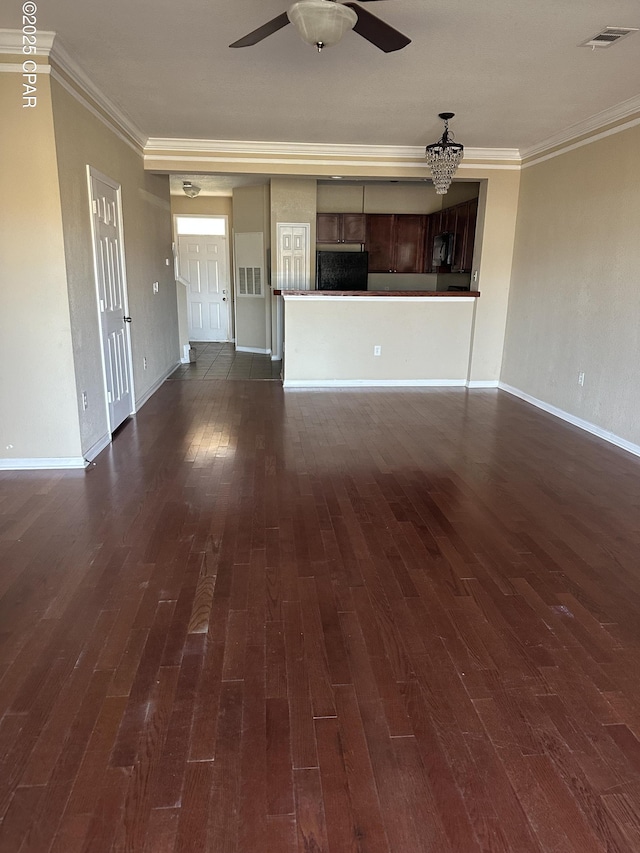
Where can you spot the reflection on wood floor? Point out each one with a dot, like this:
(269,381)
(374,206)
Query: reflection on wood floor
(384,621)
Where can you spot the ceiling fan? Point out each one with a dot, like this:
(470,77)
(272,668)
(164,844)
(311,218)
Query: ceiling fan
(324,22)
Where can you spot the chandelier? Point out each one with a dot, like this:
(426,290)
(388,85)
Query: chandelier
(443,157)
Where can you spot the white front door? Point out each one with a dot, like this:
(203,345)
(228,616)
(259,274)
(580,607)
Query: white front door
(112,298)
(204,269)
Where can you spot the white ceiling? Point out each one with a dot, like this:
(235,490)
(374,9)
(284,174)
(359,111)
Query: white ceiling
(511,71)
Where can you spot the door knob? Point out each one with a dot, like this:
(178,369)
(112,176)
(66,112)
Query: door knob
(127,319)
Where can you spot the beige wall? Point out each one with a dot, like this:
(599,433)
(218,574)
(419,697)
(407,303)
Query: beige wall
(575,299)
(251,215)
(391,196)
(332,339)
(201,206)
(39,412)
(340,197)
(401,197)
(493,256)
(293,200)
(81,140)
(460,191)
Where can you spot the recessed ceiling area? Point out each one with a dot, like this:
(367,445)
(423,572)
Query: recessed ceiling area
(514,74)
(215,185)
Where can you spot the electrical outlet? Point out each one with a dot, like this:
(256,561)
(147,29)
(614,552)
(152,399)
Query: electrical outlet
(144,362)
(581,378)
(166,262)
(85,401)
(155,286)
(377,350)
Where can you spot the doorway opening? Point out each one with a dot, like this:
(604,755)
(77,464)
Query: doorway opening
(203,268)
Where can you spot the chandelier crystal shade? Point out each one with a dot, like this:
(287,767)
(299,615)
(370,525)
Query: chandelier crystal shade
(321,22)
(444,157)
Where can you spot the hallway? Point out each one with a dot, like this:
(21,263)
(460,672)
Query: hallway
(396,621)
(222,361)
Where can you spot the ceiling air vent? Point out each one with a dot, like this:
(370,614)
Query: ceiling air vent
(608,36)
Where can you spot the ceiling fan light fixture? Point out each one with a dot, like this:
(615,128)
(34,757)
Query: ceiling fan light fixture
(190,189)
(321,22)
(444,157)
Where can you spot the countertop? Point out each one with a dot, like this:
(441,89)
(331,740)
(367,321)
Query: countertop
(424,293)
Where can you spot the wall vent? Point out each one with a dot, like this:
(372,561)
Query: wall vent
(250,281)
(608,36)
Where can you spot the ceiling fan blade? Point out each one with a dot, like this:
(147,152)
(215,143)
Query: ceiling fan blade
(262,32)
(377,32)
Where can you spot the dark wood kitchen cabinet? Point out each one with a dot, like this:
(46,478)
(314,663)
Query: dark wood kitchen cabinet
(395,242)
(431,229)
(467,218)
(340,228)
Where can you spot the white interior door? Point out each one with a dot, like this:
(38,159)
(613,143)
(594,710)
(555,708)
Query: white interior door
(204,269)
(293,271)
(112,298)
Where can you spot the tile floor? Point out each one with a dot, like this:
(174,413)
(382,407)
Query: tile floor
(221,361)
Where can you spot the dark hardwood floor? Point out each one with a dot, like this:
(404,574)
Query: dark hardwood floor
(381,621)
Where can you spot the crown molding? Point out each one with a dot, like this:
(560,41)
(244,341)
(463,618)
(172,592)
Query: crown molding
(79,78)
(284,153)
(280,149)
(11,42)
(507,155)
(107,120)
(15,68)
(581,142)
(71,76)
(626,114)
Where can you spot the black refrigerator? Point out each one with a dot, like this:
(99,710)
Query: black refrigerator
(342,270)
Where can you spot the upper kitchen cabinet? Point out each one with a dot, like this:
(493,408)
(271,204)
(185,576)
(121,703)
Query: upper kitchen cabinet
(396,242)
(465,236)
(340,228)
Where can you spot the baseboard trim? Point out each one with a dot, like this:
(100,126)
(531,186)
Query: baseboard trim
(152,390)
(98,447)
(482,383)
(587,426)
(374,383)
(43,463)
(256,350)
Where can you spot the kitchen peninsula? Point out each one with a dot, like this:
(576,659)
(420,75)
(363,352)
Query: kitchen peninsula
(369,338)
